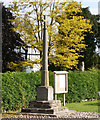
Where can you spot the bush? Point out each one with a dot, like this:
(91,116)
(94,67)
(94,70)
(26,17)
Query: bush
(18,88)
(82,85)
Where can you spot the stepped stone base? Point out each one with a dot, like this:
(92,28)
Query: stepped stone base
(45,107)
(45,104)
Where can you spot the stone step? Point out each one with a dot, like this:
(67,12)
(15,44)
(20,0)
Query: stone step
(57,114)
(38,110)
(45,104)
(45,110)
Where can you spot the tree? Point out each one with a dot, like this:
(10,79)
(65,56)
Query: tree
(10,41)
(63,48)
(70,38)
(90,38)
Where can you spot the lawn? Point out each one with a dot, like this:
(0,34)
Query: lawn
(91,106)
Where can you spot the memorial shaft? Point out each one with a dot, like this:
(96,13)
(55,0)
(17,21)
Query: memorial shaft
(45,76)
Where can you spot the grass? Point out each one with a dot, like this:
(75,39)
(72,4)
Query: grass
(90,106)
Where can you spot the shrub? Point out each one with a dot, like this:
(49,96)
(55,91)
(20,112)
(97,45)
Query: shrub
(18,88)
(82,85)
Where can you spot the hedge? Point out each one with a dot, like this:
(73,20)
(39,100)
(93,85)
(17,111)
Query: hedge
(18,88)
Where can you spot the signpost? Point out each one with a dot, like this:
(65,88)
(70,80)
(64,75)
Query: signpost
(60,84)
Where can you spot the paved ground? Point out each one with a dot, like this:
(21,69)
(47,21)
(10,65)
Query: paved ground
(73,116)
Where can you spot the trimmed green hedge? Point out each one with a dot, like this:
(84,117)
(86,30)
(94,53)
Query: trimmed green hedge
(18,88)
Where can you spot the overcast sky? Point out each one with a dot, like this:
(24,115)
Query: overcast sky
(92,4)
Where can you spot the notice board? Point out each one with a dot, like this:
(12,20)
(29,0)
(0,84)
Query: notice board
(60,82)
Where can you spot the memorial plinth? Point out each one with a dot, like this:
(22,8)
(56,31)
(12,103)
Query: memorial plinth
(44,93)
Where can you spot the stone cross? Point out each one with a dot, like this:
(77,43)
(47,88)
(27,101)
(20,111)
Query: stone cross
(45,76)
(45,92)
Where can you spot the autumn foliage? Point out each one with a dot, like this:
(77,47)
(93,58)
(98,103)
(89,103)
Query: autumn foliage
(66,30)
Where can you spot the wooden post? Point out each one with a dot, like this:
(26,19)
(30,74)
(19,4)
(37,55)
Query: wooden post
(63,99)
(55,95)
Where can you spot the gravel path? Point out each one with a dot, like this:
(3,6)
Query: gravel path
(84,115)
(73,116)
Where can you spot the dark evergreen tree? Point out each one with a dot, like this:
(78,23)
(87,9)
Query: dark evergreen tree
(11,41)
(90,39)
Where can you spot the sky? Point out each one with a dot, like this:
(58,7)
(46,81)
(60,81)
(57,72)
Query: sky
(92,4)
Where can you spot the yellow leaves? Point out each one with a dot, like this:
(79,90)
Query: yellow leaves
(65,29)
(73,8)
(70,38)
(21,65)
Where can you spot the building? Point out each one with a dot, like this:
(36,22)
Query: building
(32,54)
(29,53)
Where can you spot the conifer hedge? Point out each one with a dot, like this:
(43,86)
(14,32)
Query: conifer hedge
(18,88)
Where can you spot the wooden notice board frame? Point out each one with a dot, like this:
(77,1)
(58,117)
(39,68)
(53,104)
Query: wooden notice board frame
(60,83)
